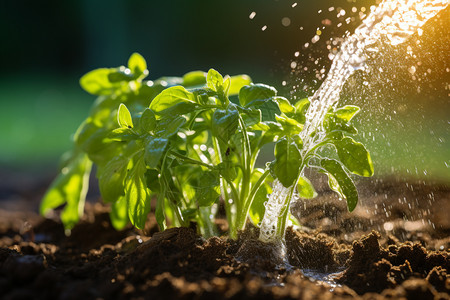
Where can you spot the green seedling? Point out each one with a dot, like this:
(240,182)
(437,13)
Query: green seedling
(183,146)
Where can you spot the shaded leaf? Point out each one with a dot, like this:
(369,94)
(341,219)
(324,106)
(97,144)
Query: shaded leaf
(225,123)
(147,122)
(137,194)
(152,179)
(111,178)
(227,170)
(340,182)
(250,116)
(169,126)
(287,162)
(207,190)
(120,74)
(256,94)
(154,150)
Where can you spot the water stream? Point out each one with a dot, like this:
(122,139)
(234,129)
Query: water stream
(393,21)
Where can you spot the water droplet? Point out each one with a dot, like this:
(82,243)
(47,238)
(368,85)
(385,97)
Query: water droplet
(286,21)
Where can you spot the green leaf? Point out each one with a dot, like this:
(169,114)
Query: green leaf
(298,141)
(237,82)
(195,78)
(137,194)
(290,126)
(207,190)
(214,80)
(226,84)
(137,64)
(347,112)
(225,123)
(354,156)
(111,178)
(189,213)
(70,188)
(169,126)
(119,214)
(302,106)
(284,105)
(332,124)
(152,179)
(269,110)
(257,207)
(120,74)
(340,182)
(294,220)
(338,120)
(122,135)
(287,162)
(272,130)
(173,101)
(227,170)
(124,117)
(154,151)
(250,116)
(147,122)
(256,94)
(97,82)
(305,188)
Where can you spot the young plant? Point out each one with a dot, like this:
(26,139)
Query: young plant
(184,146)
(351,157)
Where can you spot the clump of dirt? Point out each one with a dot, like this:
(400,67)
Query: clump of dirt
(372,268)
(37,261)
(315,250)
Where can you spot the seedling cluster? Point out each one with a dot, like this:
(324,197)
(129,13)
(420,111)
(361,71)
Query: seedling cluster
(185,146)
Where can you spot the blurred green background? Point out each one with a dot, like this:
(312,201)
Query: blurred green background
(48,45)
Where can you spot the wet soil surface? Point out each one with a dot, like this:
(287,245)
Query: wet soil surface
(386,249)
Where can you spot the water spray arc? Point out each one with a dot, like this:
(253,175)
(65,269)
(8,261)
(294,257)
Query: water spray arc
(394,21)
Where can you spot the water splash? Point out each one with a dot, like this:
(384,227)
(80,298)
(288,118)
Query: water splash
(394,21)
(274,208)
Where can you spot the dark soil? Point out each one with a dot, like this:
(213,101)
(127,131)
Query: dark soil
(406,258)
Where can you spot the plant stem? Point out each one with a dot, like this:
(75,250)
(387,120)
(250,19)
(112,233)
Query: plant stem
(281,222)
(246,172)
(190,160)
(248,202)
(224,188)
